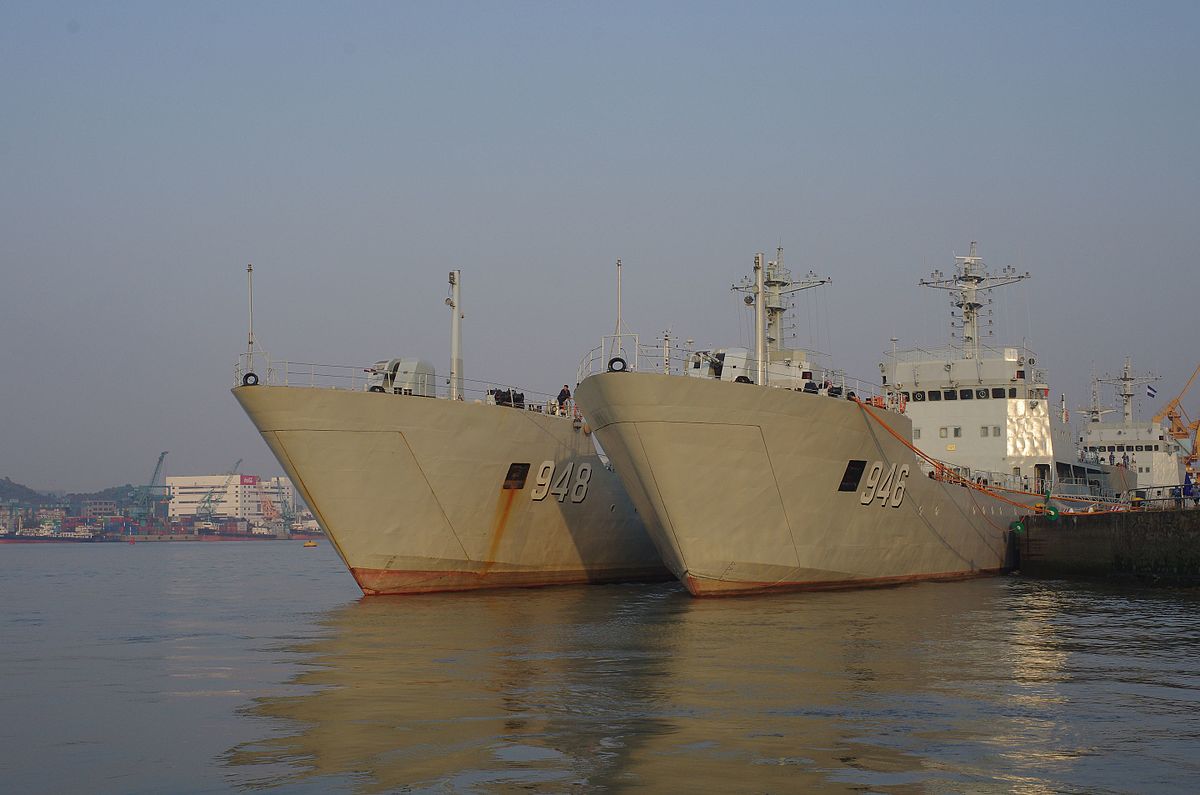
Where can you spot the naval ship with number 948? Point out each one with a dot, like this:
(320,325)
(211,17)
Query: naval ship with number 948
(422,488)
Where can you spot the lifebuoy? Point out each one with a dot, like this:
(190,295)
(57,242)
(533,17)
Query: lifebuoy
(1017,527)
(250,379)
(617,365)
(376,388)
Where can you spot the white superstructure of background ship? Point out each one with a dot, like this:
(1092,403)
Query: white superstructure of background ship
(1154,450)
(988,410)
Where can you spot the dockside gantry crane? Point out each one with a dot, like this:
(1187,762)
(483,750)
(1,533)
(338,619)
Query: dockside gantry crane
(1179,425)
(204,511)
(145,498)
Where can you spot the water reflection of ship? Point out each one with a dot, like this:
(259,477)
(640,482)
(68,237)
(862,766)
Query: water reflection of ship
(482,690)
(618,687)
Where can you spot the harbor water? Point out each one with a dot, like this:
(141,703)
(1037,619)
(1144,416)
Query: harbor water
(193,667)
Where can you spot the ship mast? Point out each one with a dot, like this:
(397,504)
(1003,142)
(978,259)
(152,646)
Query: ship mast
(250,336)
(456,316)
(1125,383)
(767,291)
(617,346)
(966,285)
(779,286)
(1095,412)
(760,340)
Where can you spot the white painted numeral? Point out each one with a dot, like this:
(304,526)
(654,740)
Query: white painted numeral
(898,491)
(868,493)
(582,478)
(560,488)
(884,492)
(887,488)
(562,485)
(541,486)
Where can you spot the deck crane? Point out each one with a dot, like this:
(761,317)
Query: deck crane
(144,497)
(1179,425)
(204,511)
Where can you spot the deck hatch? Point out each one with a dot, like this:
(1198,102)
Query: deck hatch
(853,474)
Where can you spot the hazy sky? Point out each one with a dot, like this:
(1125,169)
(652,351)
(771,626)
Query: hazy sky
(357,152)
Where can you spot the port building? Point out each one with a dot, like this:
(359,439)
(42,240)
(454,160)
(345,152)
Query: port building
(250,497)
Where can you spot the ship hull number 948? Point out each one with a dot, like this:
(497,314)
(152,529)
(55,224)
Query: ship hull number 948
(884,484)
(570,482)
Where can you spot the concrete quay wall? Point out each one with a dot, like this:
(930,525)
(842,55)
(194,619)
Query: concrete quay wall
(1158,547)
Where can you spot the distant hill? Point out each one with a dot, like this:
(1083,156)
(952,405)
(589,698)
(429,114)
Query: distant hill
(11,490)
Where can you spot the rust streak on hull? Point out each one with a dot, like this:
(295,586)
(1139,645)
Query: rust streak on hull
(503,508)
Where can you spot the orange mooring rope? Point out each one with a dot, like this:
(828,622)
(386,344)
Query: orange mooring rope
(943,473)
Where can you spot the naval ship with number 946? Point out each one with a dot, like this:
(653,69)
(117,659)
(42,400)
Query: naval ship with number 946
(757,471)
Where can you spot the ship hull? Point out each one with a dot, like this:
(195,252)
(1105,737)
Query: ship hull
(747,489)
(421,495)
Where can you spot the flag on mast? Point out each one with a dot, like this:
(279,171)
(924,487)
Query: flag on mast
(1151,391)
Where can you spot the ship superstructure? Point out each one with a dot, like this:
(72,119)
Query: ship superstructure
(422,490)
(988,410)
(778,481)
(1146,447)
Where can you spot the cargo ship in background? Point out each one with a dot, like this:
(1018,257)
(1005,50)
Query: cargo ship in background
(778,475)
(421,490)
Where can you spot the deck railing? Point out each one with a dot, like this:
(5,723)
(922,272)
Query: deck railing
(286,372)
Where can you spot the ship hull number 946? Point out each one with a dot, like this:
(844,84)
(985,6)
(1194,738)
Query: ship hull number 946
(570,482)
(884,484)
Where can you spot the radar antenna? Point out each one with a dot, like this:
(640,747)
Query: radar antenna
(969,280)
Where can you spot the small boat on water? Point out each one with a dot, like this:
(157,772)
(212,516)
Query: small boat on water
(310,543)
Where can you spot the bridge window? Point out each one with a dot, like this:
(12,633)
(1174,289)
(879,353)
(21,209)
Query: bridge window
(957,432)
(998,392)
(995,430)
(983,431)
(966,394)
(950,394)
(916,433)
(943,432)
(934,394)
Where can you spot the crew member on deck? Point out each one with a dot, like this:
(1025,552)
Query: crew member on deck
(563,397)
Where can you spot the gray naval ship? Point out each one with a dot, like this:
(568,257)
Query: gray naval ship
(1155,448)
(421,490)
(760,470)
